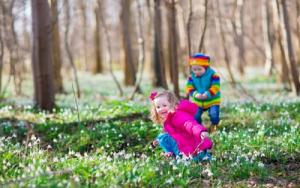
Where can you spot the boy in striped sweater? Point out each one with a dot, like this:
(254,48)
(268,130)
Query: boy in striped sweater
(203,87)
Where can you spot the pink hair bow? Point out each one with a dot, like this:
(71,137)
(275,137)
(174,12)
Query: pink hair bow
(153,95)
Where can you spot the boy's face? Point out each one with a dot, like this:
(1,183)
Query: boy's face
(162,106)
(198,70)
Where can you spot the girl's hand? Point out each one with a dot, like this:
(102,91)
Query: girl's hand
(167,154)
(154,143)
(204,135)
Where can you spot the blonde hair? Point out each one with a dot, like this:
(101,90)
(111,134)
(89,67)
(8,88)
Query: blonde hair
(172,99)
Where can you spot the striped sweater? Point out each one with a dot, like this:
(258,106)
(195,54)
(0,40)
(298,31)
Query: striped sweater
(208,83)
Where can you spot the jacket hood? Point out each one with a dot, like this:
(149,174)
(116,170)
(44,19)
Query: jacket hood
(187,106)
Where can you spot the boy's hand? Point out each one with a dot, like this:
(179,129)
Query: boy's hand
(204,96)
(204,135)
(201,96)
(198,96)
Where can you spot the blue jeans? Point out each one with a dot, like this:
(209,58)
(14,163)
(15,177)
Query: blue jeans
(213,113)
(168,144)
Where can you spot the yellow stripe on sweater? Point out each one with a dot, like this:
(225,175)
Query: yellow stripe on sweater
(207,104)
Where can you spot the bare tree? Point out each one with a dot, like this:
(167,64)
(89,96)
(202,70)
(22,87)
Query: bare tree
(159,79)
(82,7)
(67,46)
(42,55)
(284,70)
(2,20)
(58,84)
(173,45)
(298,25)
(267,36)
(189,25)
(292,59)
(149,32)
(201,43)
(221,32)
(12,43)
(141,50)
(1,52)
(238,28)
(182,35)
(26,34)
(97,39)
(129,71)
(109,52)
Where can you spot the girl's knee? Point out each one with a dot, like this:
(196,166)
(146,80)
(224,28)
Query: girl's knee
(164,139)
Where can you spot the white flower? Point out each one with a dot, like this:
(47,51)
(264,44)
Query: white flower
(208,172)
(33,137)
(169,181)
(109,158)
(261,165)
(55,159)
(76,179)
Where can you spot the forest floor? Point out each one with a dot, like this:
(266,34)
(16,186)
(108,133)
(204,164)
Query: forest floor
(105,141)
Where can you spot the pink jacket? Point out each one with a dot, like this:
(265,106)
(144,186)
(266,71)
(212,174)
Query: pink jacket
(182,127)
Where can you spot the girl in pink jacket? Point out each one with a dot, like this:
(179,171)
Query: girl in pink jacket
(182,133)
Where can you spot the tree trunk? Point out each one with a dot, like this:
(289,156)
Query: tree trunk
(98,52)
(67,46)
(189,25)
(298,27)
(220,30)
(170,41)
(108,43)
(129,69)
(267,35)
(1,53)
(201,43)
(141,50)
(42,55)
(284,74)
(58,84)
(238,28)
(173,46)
(183,48)
(11,42)
(292,59)
(82,7)
(159,79)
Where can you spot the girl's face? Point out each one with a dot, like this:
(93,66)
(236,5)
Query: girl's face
(198,70)
(162,106)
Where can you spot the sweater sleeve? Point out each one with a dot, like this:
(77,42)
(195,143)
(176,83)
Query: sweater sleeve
(190,87)
(215,86)
(193,128)
(187,123)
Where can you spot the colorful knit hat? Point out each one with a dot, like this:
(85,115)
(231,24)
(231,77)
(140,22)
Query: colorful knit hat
(200,60)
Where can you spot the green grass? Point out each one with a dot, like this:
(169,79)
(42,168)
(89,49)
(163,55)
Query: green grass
(108,146)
